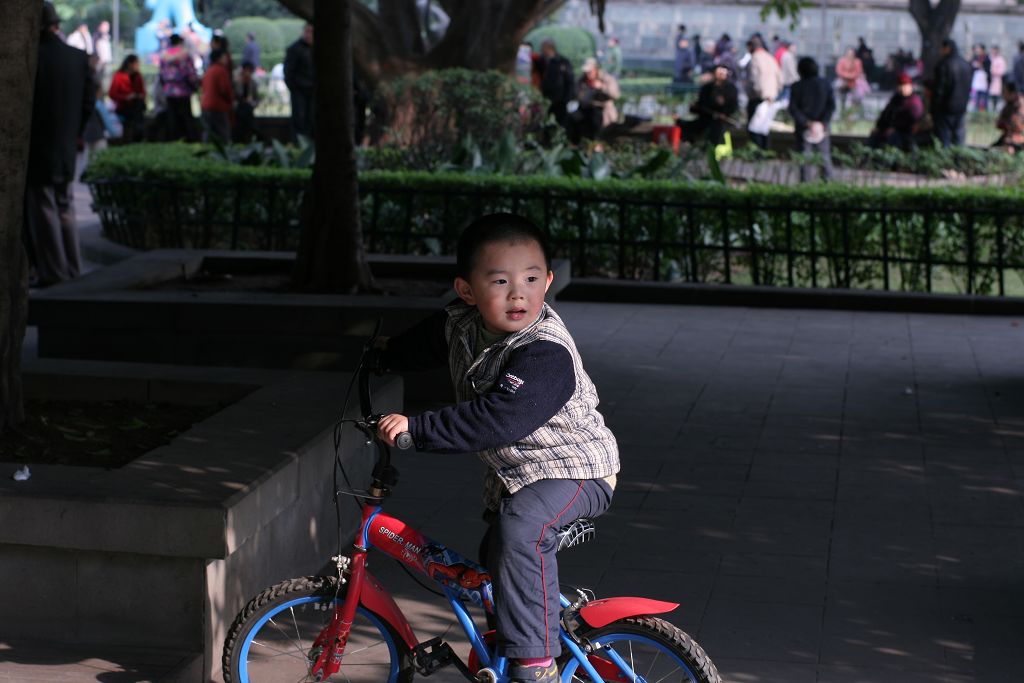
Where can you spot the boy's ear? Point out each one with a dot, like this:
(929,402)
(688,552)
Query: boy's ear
(547,285)
(464,291)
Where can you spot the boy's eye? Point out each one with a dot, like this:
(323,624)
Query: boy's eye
(532,278)
(500,281)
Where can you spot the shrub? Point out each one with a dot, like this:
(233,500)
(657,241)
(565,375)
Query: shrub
(823,235)
(431,115)
(267,33)
(290,29)
(573,43)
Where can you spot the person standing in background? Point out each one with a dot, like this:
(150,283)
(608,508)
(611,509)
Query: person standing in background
(300,77)
(811,104)
(104,48)
(950,95)
(1018,67)
(247,96)
(613,62)
(251,51)
(997,73)
(764,83)
(686,59)
(557,81)
(178,80)
(218,102)
(81,39)
(128,91)
(62,103)
(788,64)
(850,72)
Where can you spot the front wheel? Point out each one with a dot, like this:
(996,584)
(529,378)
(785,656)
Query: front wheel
(644,650)
(272,639)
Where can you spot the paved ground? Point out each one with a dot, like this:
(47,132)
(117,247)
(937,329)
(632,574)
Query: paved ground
(833,497)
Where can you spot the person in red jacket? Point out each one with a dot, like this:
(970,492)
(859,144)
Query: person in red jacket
(218,101)
(128,91)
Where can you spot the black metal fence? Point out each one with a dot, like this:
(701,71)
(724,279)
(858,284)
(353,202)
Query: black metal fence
(729,239)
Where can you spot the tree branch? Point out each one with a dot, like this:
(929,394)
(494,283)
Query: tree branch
(301,8)
(921,11)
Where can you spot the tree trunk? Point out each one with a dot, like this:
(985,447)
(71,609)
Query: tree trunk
(18,52)
(935,24)
(331,257)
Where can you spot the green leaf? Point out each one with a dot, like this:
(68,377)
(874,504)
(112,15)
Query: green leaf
(132,425)
(714,168)
(281,152)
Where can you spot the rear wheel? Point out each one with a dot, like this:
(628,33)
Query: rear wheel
(649,647)
(272,639)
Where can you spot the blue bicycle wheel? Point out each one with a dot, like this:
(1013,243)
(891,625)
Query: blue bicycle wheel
(644,650)
(273,638)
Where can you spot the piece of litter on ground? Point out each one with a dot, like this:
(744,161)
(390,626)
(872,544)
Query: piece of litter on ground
(23,474)
(909,391)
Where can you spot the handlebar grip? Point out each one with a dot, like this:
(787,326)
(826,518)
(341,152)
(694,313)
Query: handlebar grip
(404,441)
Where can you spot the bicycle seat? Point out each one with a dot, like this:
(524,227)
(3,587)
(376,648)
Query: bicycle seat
(577,533)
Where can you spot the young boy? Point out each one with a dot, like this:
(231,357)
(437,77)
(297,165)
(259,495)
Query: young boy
(529,410)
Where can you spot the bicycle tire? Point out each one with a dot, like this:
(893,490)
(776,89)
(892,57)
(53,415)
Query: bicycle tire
(652,633)
(309,599)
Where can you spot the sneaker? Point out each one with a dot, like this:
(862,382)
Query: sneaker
(533,674)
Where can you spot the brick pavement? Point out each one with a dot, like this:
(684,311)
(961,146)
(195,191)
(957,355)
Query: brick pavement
(834,497)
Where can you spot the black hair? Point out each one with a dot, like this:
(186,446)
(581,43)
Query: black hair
(175,39)
(495,227)
(215,55)
(128,61)
(248,65)
(807,67)
(950,43)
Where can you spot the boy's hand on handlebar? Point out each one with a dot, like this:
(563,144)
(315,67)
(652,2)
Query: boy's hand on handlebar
(391,426)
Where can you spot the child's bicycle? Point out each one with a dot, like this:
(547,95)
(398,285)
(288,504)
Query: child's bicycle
(347,626)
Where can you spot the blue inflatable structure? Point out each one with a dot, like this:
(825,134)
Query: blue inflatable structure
(176,15)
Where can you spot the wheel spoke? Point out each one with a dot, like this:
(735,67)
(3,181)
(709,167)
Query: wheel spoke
(678,668)
(651,667)
(279,652)
(297,647)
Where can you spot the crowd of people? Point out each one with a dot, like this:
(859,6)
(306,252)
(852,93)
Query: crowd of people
(772,77)
(228,93)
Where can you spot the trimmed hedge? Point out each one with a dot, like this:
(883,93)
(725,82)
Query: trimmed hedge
(572,42)
(912,239)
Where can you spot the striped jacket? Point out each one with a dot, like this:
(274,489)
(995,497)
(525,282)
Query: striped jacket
(567,438)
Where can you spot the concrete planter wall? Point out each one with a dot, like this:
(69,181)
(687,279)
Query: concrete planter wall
(163,552)
(109,315)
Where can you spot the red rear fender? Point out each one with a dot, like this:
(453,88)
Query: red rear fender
(598,613)
(374,598)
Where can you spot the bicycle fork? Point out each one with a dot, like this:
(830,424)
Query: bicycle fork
(329,647)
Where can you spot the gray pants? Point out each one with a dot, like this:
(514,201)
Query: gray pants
(51,234)
(521,557)
(824,148)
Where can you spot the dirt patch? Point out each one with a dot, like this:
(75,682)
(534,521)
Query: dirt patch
(205,281)
(106,434)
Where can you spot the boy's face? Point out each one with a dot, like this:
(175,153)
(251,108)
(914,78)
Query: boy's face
(507,285)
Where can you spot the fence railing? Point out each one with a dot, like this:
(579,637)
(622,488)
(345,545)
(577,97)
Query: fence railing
(929,247)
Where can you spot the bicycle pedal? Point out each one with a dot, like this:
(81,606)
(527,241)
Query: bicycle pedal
(432,655)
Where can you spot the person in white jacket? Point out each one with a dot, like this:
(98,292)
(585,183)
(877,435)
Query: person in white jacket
(764,83)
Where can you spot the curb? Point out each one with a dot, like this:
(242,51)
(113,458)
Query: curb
(617,291)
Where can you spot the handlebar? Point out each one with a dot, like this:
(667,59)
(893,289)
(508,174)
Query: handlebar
(371,364)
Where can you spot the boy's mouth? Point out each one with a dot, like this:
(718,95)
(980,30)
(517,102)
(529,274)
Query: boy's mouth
(516,313)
